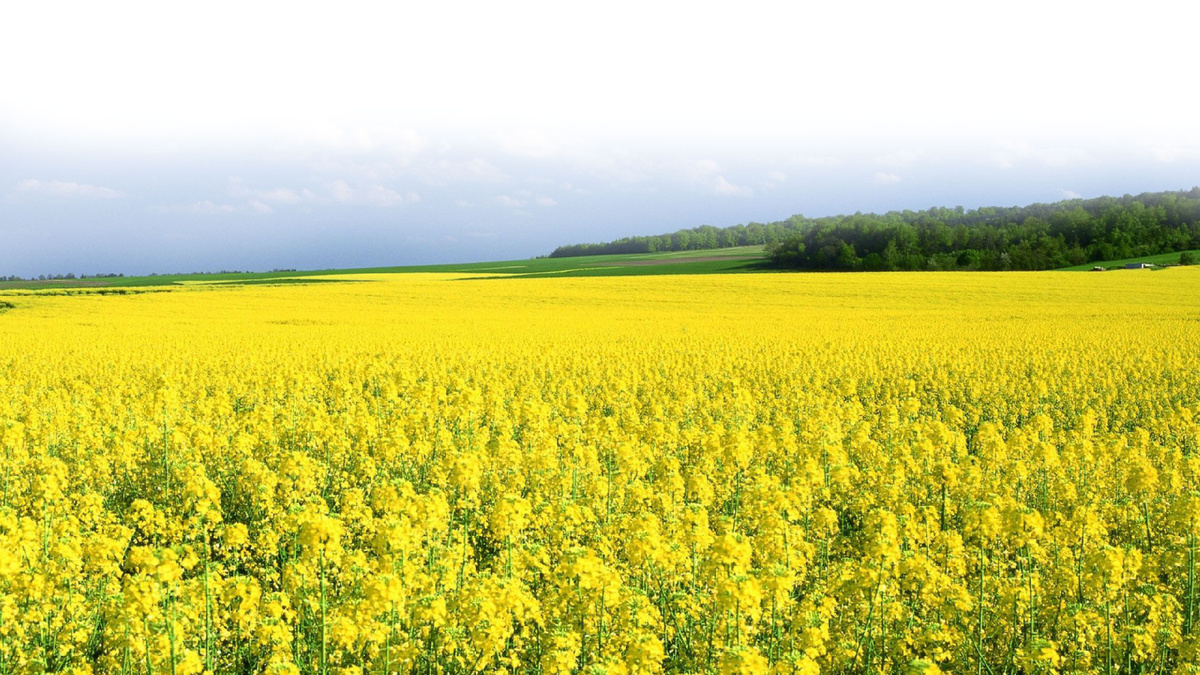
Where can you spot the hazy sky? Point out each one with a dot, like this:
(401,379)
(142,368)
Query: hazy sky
(139,137)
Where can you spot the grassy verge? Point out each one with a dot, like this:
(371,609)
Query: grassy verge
(1160,259)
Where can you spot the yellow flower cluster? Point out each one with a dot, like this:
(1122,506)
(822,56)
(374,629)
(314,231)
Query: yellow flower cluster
(913,473)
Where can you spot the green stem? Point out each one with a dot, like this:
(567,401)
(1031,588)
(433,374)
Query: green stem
(1145,508)
(1191,595)
(943,510)
(1108,665)
(1128,646)
(171,630)
(324,667)
(387,645)
(146,631)
(208,646)
(979,623)
(1032,603)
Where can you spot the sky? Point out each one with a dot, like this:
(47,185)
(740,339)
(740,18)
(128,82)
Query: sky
(140,137)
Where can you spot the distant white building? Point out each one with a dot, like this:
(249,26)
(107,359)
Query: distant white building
(1138,266)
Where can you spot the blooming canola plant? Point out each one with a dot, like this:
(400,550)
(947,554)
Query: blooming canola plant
(784,473)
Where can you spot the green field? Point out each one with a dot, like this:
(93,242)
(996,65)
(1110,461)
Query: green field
(1160,259)
(709,261)
(739,259)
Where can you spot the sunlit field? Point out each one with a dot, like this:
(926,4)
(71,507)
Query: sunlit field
(840,473)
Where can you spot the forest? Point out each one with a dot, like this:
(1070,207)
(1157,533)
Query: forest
(1035,237)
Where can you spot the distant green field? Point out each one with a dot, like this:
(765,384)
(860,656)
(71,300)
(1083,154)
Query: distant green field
(1160,259)
(714,261)
(708,261)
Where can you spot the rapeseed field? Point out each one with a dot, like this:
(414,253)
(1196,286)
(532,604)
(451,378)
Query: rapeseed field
(784,473)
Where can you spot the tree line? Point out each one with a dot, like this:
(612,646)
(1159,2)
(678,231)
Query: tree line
(1035,237)
(60,277)
(692,239)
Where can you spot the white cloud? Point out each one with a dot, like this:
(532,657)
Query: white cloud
(281,196)
(1071,194)
(204,208)
(621,170)
(372,195)
(1009,153)
(883,178)
(523,198)
(338,191)
(380,196)
(341,191)
(774,179)
(476,170)
(263,202)
(58,188)
(237,188)
(724,187)
(699,170)
(706,174)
